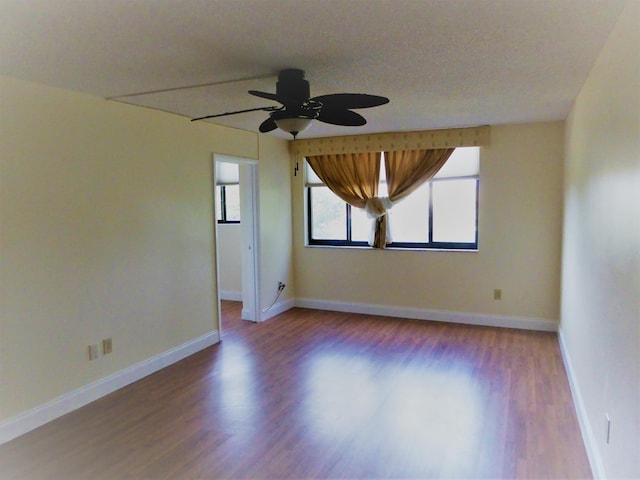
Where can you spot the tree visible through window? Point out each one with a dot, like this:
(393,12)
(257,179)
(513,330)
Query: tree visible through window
(441,214)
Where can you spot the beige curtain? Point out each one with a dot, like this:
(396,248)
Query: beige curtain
(352,177)
(406,170)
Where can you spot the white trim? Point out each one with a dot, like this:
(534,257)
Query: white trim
(249,184)
(588,437)
(42,414)
(247,314)
(230,295)
(254,257)
(277,309)
(525,323)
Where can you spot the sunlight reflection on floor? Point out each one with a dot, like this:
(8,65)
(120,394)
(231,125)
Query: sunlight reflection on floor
(435,410)
(238,399)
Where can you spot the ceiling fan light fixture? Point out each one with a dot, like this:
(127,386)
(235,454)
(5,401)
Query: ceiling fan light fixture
(293,123)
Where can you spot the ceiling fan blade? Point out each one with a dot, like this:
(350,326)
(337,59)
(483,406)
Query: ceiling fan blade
(268,125)
(350,100)
(287,102)
(341,117)
(265,109)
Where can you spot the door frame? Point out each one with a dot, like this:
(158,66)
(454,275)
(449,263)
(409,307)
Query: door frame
(250,251)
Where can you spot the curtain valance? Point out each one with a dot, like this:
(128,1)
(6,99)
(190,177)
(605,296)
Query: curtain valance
(395,141)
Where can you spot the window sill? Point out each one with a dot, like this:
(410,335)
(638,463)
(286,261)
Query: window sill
(394,249)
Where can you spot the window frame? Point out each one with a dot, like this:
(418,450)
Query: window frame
(429,245)
(223,207)
(326,242)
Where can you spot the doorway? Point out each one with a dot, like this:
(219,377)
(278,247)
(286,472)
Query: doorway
(242,253)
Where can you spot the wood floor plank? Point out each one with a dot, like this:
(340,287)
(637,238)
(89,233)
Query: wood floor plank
(312,394)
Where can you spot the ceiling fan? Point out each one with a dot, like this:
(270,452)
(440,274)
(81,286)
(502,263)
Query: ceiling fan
(298,110)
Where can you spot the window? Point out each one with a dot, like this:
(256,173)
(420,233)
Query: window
(228,203)
(227,193)
(441,214)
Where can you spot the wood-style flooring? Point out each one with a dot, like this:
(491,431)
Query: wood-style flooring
(313,394)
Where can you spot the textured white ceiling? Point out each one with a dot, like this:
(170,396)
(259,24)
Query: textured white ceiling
(442,63)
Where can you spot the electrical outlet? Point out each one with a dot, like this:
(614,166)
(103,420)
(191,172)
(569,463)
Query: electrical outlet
(93,352)
(497,294)
(281,286)
(107,346)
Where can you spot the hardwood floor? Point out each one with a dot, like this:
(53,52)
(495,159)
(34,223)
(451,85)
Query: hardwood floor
(312,394)
(232,317)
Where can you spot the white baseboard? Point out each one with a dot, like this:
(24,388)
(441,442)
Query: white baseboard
(277,309)
(230,295)
(588,437)
(524,323)
(38,416)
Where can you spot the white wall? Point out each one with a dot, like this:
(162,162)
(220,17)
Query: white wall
(229,261)
(600,325)
(520,220)
(106,221)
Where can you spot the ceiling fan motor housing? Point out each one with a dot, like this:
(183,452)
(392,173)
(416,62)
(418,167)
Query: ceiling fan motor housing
(292,85)
(299,110)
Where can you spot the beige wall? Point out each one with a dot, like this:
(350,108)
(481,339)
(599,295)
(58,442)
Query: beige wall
(519,242)
(601,264)
(106,228)
(275,221)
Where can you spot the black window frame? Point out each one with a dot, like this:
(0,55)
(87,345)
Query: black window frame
(429,245)
(223,207)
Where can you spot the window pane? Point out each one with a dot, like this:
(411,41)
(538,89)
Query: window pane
(218,203)
(463,162)
(232,193)
(328,215)
(360,225)
(409,218)
(454,211)
(311,179)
